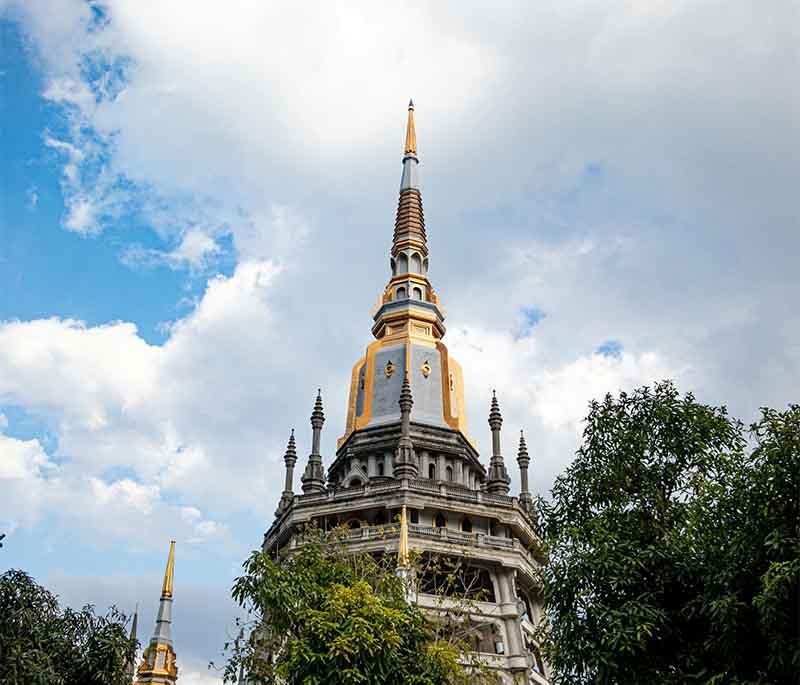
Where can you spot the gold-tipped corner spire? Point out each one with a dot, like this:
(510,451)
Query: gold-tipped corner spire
(166,590)
(411,134)
(402,552)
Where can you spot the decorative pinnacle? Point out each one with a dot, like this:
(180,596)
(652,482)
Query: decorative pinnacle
(411,134)
(166,590)
(317,416)
(402,551)
(522,454)
(406,400)
(495,418)
(290,457)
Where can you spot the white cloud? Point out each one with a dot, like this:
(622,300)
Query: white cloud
(548,399)
(24,466)
(172,414)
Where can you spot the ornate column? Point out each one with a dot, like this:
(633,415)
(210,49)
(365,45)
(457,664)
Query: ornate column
(497,481)
(314,476)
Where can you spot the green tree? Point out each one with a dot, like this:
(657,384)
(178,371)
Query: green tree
(42,644)
(672,545)
(326,615)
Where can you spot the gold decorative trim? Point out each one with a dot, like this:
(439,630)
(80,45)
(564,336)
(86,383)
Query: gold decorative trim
(389,369)
(426,369)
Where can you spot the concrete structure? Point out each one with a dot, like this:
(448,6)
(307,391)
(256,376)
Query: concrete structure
(406,452)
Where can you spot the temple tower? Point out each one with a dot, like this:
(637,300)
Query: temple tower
(158,659)
(406,455)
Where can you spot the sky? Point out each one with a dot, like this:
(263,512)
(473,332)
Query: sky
(197,208)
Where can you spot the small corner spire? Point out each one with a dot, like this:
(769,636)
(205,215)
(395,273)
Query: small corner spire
(411,134)
(524,460)
(166,590)
(498,479)
(313,478)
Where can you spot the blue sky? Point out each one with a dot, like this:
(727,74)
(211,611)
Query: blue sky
(197,207)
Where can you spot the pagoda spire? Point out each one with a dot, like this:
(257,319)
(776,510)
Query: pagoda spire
(498,479)
(523,460)
(405,460)
(409,304)
(313,479)
(158,660)
(409,225)
(130,665)
(290,459)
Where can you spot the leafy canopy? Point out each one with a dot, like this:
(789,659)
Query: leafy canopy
(673,544)
(42,644)
(328,616)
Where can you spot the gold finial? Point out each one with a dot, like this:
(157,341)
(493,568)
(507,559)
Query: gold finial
(411,134)
(166,590)
(402,552)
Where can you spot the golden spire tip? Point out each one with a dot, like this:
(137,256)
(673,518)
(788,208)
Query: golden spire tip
(166,590)
(411,134)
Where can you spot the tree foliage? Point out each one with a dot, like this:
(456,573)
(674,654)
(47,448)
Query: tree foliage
(43,644)
(324,614)
(673,546)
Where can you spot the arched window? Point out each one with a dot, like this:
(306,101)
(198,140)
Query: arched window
(416,263)
(381,518)
(354,483)
(380,468)
(440,521)
(352,524)
(393,266)
(417,293)
(402,264)
(425,265)
(449,473)
(466,525)
(401,293)
(432,471)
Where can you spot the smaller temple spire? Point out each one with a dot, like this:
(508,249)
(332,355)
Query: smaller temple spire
(523,460)
(498,479)
(314,475)
(130,665)
(405,460)
(290,459)
(411,134)
(158,659)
